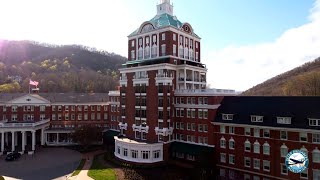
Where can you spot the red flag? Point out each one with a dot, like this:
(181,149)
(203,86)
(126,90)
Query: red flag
(34,83)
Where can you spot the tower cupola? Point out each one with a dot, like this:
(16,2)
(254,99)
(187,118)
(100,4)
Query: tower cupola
(165,7)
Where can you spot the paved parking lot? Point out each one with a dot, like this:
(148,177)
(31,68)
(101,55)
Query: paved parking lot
(47,163)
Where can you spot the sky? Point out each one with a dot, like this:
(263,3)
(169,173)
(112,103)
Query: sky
(243,42)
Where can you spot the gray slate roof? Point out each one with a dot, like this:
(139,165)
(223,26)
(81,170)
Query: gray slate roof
(60,97)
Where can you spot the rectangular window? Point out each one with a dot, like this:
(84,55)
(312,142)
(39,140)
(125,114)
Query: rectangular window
(266,133)
(200,113)
(247,131)
(73,108)
(163,37)
(205,114)
(256,118)
(304,174)
(193,113)
(134,154)
(174,37)
(66,108)
(53,117)
(145,154)
(42,108)
(256,132)
(284,169)
(266,165)
(231,130)
(125,152)
(284,120)
(193,126)
(223,157)
(205,128)
(222,143)
(188,113)
(231,159)
(303,136)
(174,49)
(256,163)
(156,154)
(228,117)
(200,128)
(163,49)
(247,147)
(316,138)
(247,161)
(222,129)
(283,135)
(314,122)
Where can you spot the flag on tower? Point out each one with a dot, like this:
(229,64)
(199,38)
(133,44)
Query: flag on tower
(34,83)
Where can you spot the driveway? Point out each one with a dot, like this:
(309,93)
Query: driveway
(47,163)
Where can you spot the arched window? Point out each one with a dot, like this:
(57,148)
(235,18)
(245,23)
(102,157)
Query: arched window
(154,51)
(284,150)
(247,146)
(266,148)
(316,155)
(231,143)
(140,53)
(181,51)
(147,52)
(222,142)
(256,147)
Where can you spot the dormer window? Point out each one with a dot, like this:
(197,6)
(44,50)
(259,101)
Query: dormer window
(314,122)
(228,117)
(256,118)
(284,120)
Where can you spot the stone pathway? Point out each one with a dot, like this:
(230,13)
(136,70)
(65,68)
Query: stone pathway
(83,175)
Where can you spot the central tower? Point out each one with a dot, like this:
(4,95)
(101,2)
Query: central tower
(163,63)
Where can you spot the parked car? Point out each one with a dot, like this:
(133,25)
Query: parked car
(13,156)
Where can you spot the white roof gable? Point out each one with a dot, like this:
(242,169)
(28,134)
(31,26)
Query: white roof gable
(28,99)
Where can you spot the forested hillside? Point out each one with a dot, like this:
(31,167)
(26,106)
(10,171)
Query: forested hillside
(301,81)
(70,68)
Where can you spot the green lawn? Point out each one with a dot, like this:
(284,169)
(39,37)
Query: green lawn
(77,171)
(99,171)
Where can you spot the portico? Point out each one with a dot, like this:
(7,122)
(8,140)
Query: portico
(22,137)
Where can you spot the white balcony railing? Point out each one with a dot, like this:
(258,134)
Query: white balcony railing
(25,124)
(140,128)
(164,131)
(206,91)
(114,93)
(123,126)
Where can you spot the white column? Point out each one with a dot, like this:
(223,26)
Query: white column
(158,45)
(137,48)
(57,138)
(178,45)
(42,136)
(23,139)
(12,141)
(192,79)
(2,141)
(33,140)
(185,78)
(150,45)
(143,47)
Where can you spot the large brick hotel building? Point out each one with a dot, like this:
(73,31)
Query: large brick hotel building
(164,113)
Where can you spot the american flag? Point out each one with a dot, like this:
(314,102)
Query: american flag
(34,83)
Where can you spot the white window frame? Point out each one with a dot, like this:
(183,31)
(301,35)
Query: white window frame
(283,150)
(303,136)
(266,149)
(245,162)
(316,155)
(227,117)
(247,144)
(223,157)
(247,131)
(286,135)
(232,143)
(314,122)
(316,138)
(255,118)
(264,164)
(222,129)
(255,163)
(284,120)
(304,172)
(256,132)
(231,157)
(266,131)
(283,166)
(232,130)
(223,143)
(256,147)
